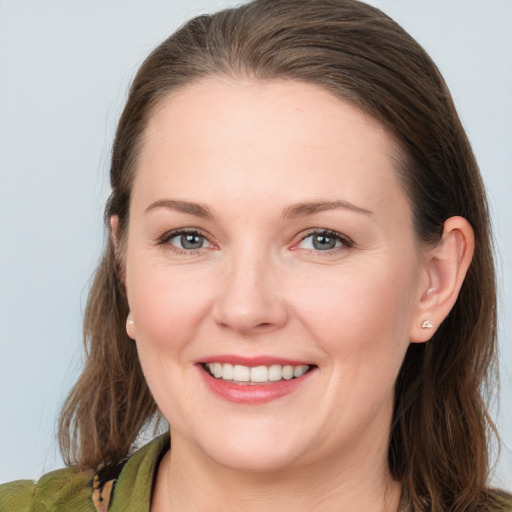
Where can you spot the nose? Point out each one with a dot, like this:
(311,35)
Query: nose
(250,299)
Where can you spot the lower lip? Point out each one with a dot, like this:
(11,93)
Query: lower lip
(252,393)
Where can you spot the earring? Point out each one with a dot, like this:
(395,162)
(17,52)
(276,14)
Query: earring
(430,290)
(427,325)
(129,325)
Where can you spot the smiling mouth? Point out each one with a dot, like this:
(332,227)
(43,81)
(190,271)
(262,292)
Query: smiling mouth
(240,374)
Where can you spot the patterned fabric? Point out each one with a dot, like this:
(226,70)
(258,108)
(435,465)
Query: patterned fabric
(103,484)
(123,487)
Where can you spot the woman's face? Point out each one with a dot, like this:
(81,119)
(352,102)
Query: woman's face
(269,236)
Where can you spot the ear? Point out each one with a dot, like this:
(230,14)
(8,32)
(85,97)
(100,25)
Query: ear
(114,232)
(115,237)
(446,266)
(130,326)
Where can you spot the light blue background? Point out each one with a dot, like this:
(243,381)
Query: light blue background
(64,71)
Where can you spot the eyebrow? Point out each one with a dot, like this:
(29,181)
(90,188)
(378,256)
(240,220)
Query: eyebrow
(304,209)
(295,210)
(196,209)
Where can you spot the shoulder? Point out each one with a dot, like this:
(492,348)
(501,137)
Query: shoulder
(64,489)
(502,501)
(119,486)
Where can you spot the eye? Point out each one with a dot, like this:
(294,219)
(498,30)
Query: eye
(187,240)
(324,240)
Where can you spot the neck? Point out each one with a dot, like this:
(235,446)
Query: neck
(358,481)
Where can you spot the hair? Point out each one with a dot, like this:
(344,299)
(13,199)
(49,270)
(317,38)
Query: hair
(441,427)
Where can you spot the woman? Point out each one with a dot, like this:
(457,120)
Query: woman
(298,278)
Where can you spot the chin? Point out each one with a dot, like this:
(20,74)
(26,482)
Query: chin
(253,459)
(254,451)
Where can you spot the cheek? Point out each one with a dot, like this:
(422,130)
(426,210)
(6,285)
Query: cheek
(360,321)
(167,306)
(360,314)
(168,309)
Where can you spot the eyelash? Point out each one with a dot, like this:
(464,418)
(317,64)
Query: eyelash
(165,239)
(346,242)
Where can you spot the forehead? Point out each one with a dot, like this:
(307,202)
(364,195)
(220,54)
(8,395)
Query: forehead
(260,109)
(249,139)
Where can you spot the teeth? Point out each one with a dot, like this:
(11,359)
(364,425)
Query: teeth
(240,373)
(216,369)
(287,372)
(275,372)
(228,371)
(298,371)
(257,374)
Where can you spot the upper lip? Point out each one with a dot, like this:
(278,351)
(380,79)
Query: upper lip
(263,360)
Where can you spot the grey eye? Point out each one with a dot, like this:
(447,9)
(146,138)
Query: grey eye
(323,242)
(188,241)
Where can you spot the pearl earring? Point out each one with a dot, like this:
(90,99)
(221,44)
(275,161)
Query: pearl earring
(129,323)
(427,325)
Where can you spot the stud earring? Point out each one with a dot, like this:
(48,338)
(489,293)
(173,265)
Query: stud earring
(129,325)
(427,325)
(430,291)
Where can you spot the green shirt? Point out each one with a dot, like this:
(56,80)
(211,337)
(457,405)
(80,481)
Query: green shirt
(124,487)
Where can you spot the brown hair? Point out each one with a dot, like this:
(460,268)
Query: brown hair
(439,437)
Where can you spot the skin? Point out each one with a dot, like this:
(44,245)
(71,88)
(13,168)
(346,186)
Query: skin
(248,152)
